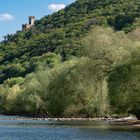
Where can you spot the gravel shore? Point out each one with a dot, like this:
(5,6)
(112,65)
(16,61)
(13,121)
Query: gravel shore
(126,120)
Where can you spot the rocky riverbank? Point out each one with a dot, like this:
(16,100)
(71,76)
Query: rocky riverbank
(126,120)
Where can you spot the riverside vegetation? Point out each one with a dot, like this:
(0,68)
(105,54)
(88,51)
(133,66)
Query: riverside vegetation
(83,61)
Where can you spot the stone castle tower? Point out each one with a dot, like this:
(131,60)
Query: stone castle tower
(30,24)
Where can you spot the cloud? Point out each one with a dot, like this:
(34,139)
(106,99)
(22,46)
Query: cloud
(6,17)
(56,7)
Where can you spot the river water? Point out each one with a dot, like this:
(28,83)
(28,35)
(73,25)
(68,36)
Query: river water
(76,130)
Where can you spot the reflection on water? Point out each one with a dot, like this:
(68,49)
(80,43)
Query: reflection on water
(50,130)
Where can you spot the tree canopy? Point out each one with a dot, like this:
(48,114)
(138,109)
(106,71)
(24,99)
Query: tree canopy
(80,61)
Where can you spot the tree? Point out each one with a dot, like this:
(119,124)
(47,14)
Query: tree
(106,50)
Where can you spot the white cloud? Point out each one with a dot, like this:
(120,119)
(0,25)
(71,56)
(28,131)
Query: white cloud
(6,17)
(56,7)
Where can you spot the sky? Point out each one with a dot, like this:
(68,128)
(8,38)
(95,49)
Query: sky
(14,13)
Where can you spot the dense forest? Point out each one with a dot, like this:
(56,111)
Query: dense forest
(82,61)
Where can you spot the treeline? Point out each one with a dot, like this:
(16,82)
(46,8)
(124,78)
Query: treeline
(102,80)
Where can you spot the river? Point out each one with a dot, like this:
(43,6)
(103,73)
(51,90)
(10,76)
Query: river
(55,130)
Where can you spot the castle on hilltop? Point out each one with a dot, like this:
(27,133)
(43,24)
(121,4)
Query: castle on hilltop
(30,24)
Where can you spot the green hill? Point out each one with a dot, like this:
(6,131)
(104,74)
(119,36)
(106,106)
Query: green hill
(61,33)
(82,61)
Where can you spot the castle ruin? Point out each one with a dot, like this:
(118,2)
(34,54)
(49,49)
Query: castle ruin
(30,24)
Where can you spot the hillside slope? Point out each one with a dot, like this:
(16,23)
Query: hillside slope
(61,33)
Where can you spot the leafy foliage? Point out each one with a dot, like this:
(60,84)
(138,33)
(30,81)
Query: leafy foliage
(66,65)
(62,31)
